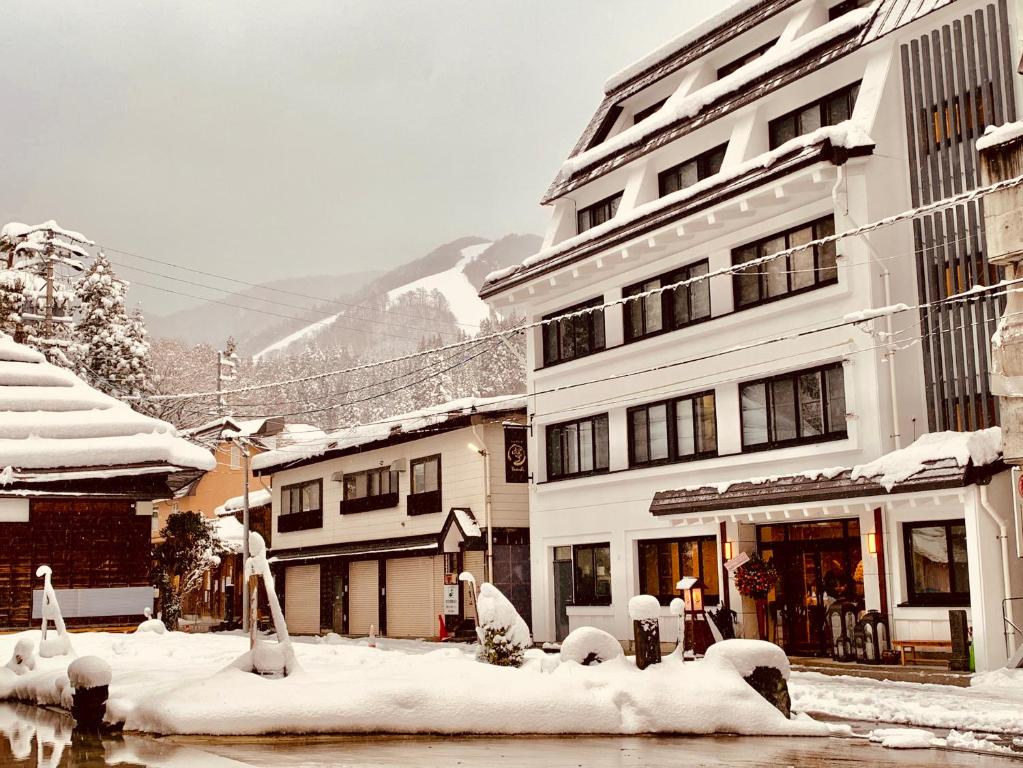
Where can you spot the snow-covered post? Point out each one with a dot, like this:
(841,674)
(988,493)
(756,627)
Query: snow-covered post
(469,579)
(644,611)
(678,610)
(60,645)
(90,677)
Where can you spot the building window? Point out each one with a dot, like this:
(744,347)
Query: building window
(662,562)
(691,171)
(592,583)
(937,569)
(598,213)
(675,430)
(577,448)
(668,310)
(794,408)
(574,337)
(236,457)
(643,114)
(844,7)
(301,506)
(803,270)
(742,61)
(830,110)
(425,496)
(372,489)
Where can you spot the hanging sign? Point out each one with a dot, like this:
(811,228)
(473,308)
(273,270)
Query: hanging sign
(516,468)
(450,599)
(740,559)
(1017,508)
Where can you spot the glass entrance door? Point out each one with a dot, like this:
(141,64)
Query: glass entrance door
(817,564)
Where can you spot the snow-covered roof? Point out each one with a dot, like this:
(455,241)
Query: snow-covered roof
(230,532)
(1000,134)
(257,498)
(364,434)
(51,419)
(965,448)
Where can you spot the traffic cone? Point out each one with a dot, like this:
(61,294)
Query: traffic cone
(443,635)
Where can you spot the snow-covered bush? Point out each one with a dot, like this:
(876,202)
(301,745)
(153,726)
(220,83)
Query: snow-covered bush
(746,655)
(589,645)
(503,634)
(24,657)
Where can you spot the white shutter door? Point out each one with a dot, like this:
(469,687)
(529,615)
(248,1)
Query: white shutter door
(302,599)
(472,561)
(410,593)
(363,596)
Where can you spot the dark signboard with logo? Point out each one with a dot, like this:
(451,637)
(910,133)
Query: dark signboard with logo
(516,468)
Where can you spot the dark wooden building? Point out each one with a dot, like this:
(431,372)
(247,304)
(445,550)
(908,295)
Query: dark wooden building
(79,471)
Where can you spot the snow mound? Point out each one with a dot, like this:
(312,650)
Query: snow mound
(643,607)
(902,738)
(89,672)
(24,657)
(979,448)
(589,645)
(155,626)
(746,655)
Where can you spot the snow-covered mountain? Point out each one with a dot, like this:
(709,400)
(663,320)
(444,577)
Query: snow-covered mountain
(430,297)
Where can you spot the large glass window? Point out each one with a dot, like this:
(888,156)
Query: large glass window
(798,271)
(598,213)
(829,110)
(674,430)
(801,407)
(425,474)
(662,562)
(937,569)
(592,583)
(577,447)
(574,337)
(300,497)
(373,482)
(667,310)
(691,171)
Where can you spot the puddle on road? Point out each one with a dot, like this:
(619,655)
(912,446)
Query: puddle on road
(34,737)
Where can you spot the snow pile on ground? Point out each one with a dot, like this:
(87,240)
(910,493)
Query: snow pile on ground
(902,738)
(1001,134)
(981,448)
(986,708)
(746,655)
(462,297)
(182,683)
(644,608)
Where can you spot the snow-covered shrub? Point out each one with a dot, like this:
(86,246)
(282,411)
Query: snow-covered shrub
(24,658)
(589,645)
(503,634)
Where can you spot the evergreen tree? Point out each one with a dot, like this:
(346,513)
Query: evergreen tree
(188,550)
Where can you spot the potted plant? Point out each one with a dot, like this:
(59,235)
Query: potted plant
(755,579)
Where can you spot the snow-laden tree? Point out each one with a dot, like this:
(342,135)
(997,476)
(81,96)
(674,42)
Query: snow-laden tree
(111,348)
(189,548)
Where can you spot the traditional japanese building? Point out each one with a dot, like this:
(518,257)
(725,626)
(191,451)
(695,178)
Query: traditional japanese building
(746,410)
(78,474)
(372,525)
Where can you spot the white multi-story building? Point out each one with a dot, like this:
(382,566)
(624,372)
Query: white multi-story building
(775,124)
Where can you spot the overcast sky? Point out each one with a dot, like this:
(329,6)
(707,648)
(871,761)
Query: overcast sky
(266,139)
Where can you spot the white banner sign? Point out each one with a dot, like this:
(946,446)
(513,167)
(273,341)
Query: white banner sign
(740,559)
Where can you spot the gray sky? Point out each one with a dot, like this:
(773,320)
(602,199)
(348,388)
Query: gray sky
(266,139)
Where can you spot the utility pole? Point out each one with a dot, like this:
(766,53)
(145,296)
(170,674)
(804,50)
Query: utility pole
(246,619)
(227,370)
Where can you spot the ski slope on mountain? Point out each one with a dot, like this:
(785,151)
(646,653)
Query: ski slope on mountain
(298,335)
(462,297)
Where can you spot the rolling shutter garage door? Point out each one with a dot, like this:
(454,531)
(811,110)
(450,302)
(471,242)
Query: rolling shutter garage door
(472,561)
(410,608)
(363,596)
(302,599)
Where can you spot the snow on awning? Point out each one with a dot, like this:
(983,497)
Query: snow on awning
(936,461)
(257,498)
(425,544)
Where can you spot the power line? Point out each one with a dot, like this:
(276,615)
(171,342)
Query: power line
(729,270)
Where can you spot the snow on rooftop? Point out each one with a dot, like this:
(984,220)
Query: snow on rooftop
(363,434)
(230,532)
(680,106)
(462,297)
(257,498)
(49,419)
(849,134)
(467,522)
(1000,134)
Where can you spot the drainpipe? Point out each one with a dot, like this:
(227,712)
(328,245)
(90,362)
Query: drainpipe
(840,198)
(1003,534)
(486,504)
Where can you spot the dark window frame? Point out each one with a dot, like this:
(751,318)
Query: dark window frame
(424,502)
(669,321)
(671,414)
(589,596)
(955,597)
(707,164)
(351,504)
(557,429)
(645,545)
(592,323)
(763,276)
(300,519)
(604,210)
(644,113)
(851,93)
(827,435)
(736,64)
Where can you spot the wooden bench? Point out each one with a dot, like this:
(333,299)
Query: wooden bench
(908,648)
